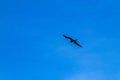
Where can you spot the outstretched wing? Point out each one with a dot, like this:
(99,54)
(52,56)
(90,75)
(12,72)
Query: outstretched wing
(67,37)
(77,43)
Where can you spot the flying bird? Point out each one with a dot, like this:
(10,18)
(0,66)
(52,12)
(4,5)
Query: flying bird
(72,40)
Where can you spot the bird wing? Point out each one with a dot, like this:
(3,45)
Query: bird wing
(77,43)
(67,37)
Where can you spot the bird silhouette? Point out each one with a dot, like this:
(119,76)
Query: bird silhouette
(72,40)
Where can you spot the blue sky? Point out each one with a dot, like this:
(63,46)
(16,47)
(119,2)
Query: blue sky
(32,46)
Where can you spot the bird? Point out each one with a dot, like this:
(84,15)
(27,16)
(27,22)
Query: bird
(72,40)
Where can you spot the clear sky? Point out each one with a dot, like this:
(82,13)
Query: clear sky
(32,46)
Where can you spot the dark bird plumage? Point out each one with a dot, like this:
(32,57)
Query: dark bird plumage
(72,40)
